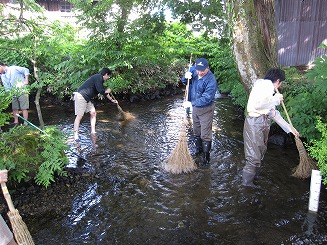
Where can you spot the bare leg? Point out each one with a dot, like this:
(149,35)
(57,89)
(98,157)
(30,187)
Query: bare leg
(76,125)
(25,115)
(15,116)
(93,119)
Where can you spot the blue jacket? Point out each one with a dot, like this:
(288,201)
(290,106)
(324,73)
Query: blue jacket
(202,91)
(194,78)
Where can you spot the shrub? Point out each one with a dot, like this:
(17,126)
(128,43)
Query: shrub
(32,155)
(318,149)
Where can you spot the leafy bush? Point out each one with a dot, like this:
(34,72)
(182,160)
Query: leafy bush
(305,98)
(5,99)
(31,155)
(318,148)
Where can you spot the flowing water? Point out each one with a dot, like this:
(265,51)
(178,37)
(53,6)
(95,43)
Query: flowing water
(134,201)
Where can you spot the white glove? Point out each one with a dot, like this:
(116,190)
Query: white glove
(188,75)
(187,104)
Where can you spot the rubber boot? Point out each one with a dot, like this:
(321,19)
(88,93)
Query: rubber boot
(198,145)
(206,145)
(247,179)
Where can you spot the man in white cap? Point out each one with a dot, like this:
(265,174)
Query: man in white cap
(202,92)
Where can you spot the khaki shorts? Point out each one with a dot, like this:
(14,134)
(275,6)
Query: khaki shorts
(81,106)
(5,234)
(21,102)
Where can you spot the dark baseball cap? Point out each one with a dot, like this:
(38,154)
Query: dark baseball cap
(201,64)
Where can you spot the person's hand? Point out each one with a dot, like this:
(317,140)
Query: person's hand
(188,75)
(108,91)
(281,97)
(3,176)
(295,132)
(187,104)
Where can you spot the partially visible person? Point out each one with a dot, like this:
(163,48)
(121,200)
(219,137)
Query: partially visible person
(83,104)
(202,95)
(6,236)
(259,113)
(15,79)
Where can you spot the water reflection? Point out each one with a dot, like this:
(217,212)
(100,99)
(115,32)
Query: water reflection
(133,200)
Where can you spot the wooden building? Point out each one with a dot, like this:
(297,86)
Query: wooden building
(301,28)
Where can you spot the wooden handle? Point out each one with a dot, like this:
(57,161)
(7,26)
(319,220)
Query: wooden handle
(288,117)
(7,196)
(188,80)
(284,107)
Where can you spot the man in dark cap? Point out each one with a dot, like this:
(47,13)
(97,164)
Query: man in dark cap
(202,92)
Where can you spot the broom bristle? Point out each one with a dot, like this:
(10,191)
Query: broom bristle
(306,165)
(180,160)
(22,235)
(124,116)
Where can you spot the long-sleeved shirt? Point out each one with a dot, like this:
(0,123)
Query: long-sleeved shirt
(14,76)
(194,78)
(91,87)
(263,101)
(262,98)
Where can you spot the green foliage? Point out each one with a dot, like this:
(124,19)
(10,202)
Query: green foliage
(5,99)
(318,148)
(305,97)
(31,155)
(239,95)
(208,15)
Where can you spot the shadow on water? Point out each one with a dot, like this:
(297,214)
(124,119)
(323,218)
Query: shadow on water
(133,201)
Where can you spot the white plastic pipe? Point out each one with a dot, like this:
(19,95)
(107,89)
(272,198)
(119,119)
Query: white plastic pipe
(314,190)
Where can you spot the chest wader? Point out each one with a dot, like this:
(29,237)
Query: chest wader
(255,134)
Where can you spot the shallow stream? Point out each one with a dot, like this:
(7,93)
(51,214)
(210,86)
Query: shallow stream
(132,200)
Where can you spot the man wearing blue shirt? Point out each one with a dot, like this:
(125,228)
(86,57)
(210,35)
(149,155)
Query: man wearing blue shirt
(15,80)
(202,93)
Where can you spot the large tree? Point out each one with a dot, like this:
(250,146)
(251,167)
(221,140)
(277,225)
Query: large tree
(254,37)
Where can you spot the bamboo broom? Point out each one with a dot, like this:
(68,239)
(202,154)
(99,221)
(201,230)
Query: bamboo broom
(180,160)
(22,235)
(123,116)
(307,164)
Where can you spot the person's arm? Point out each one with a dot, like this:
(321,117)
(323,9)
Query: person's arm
(107,92)
(25,72)
(26,80)
(5,232)
(189,75)
(275,115)
(3,176)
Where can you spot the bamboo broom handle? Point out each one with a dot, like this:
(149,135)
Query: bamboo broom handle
(118,106)
(284,107)
(188,80)
(7,196)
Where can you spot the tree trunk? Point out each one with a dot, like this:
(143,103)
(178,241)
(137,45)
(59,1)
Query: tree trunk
(38,93)
(254,38)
